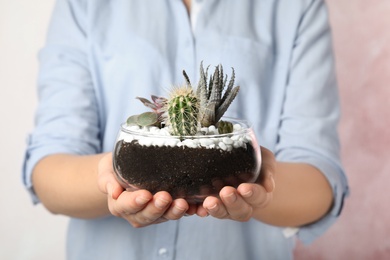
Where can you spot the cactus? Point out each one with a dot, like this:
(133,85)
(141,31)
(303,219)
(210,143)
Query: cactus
(182,111)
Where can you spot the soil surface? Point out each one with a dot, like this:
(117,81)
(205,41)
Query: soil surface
(191,173)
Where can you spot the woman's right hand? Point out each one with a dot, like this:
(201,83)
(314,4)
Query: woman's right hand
(140,208)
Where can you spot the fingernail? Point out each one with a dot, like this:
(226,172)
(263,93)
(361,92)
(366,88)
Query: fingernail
(161,203)
(231,197)
(247,194)
(141,201)
(177,210)
(213,208)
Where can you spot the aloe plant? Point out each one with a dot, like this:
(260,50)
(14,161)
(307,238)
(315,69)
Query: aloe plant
(214,98)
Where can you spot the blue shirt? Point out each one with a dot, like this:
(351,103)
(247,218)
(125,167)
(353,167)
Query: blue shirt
(102,54)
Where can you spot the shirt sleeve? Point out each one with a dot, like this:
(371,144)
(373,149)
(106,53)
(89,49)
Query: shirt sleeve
(67,116)
(308,129)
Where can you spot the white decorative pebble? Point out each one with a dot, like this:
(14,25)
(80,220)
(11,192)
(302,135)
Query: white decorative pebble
(205,129)
(134,128)
(215,140)
(145,141)
(128,138)
(222,146)
(172,142)
(227,140)
(154,129)
(229,147)
(237,127)
(164,132)
(190,143)
(235,137)
(212,129)
(211,146)
(206,142)
(144,129)
(238,144)
(158,141)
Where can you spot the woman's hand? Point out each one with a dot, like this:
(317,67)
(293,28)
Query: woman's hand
(140,208)
(239,204)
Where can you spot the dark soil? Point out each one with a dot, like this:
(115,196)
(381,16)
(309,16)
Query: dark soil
(191,173)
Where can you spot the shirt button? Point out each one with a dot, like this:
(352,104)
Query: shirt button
(163,252)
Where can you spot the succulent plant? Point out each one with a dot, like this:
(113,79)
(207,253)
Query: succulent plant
(182,111)
(213,104)
(154,118)
(186,111)
(224,127)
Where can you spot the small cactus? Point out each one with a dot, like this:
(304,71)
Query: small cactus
(182,111)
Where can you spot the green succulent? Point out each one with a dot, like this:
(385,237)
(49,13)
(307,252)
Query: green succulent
(182,111)
(154,118)
(186,110)
(214,98)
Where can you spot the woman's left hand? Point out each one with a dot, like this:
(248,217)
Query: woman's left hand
(239,204)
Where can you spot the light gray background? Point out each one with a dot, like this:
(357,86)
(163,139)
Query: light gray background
(26,231)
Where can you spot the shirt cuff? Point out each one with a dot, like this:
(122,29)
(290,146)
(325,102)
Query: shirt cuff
(32,156)
(338,183)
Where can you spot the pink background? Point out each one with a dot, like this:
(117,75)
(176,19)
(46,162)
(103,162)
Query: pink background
(362,44)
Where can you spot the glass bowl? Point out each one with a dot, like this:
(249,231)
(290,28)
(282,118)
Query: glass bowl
(189,167)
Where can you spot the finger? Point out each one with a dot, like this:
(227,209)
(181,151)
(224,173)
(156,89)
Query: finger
(267,169)
(177,209)
(201,211)
(107,181)
(104,172)
(153,211)
(235,205)
(114,189)
(129,202)
(192,209)
(269,183)
(254,195)
(215,207)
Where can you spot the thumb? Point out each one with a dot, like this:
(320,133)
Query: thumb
(268,167)
(107,181)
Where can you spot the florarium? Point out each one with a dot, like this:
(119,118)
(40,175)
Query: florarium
(184,145)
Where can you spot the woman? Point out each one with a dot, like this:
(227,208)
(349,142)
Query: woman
(101,54)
